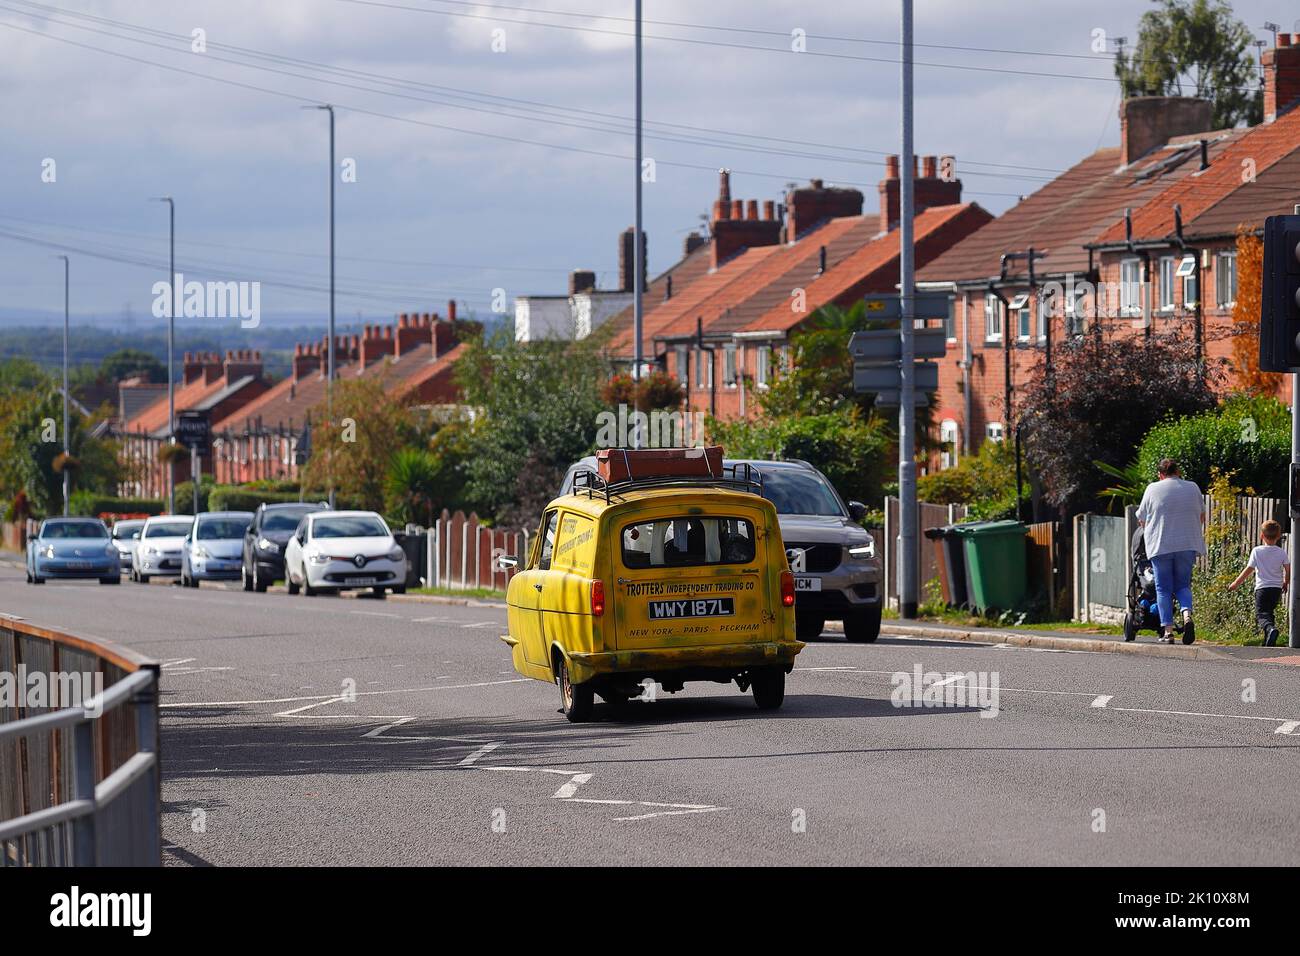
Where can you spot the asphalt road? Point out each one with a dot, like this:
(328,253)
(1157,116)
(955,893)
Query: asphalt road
(446,756)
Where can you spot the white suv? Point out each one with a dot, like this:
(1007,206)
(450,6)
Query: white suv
(339,550)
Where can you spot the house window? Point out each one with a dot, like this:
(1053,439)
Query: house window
(703,368)
(729,364)
(762,365)
(993,431)
(950,321)
(1019,307)
(1166,283)
(948,443)
(992,318)
(1044,316)
(683,374)
(1187,272)
(1130,287)
(1225,279)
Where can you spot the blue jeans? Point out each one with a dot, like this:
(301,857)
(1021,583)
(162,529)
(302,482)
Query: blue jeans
(1173,580)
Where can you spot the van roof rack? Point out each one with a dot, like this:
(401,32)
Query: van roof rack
(740,477)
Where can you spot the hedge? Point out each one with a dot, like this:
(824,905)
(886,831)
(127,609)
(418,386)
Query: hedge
(233,498)
(89,504)
(1248,438)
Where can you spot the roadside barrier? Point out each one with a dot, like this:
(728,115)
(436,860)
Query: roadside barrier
(79,772)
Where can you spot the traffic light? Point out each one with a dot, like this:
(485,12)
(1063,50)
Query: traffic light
(1279,321)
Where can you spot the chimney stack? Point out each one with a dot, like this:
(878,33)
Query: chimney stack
(241,362)
(736,225)
(928,189)
(1148,122)
(192,367)
(627,260)
(1281,76)
(809,206)
(581,280)
(306,360)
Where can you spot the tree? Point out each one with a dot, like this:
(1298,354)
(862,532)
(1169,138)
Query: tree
(656,390)
(412,486)
(986,482)
(127,363)
(354,455)
(1197,48)
(1103,398)
(536,406)
(1245,317)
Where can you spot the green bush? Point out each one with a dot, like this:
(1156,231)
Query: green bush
(986,482)
(89,503)
(1247,438)
(239,498)
(185,495)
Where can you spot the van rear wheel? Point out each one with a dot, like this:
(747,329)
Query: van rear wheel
(769,687)
(577,700)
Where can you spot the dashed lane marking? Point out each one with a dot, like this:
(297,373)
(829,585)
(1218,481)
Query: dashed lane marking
(1289,728)
(472,758)
(328,697)
(570,788)
(1101,700)
(379,730)
(319,703)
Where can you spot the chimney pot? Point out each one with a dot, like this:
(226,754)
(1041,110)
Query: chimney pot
(769,209)
(751,209)
(724,185)
(816,183)
(930,167)
(1283,40)
(891,167)
(737,209)
(451,310)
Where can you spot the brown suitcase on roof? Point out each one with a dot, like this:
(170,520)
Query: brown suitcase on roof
(620,464)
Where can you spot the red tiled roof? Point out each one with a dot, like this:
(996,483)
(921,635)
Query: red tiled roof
(871,267)
(154,415)
(1263,145)
(1073,210)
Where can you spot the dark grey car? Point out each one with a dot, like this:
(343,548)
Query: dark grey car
(834,559)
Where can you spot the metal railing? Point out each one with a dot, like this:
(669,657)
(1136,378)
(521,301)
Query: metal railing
(79,785)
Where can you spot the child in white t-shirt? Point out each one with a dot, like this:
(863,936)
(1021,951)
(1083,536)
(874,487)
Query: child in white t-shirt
(1272,571)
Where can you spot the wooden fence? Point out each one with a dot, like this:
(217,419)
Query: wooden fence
(928,516)
(463,552)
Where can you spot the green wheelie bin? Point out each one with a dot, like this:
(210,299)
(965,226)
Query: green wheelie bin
(995,563)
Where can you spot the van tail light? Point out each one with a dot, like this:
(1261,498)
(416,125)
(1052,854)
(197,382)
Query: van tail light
(597,598)
(787,588)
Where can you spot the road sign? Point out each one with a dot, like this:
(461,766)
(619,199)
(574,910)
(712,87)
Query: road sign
(1279,322)
(192,431)
(926,305)
(885,378)
(892,400)
(882,346)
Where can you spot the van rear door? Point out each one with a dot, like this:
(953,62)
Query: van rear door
(692,576)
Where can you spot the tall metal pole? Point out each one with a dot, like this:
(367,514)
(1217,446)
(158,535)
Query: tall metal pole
(1293,541)
(329,358)
(67,450)
(175,298)
(638,251)
(907,578)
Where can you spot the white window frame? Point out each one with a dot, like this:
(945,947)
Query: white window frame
(1044,317)
(682,352)
(1166,293)
(730,374)
(1130,287)
(762,365)
(1024,319)
(949,434)
(950,321)
(703,368)
(1187,272)
(1225,272)
(994,431)
(992,318)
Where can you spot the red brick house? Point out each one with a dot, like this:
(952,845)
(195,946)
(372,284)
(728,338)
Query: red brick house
(1131,240)
(721,318)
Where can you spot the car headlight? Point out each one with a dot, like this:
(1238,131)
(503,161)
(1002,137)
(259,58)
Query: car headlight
(47,551)
(267,545)
(318,558)
(397,554)
(867,550)
(202,552)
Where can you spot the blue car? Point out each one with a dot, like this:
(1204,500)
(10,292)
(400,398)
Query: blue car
(213,548)
(73,548)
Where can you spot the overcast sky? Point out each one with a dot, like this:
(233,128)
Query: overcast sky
(454,197)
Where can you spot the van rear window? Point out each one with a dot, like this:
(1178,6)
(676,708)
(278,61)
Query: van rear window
(688,542)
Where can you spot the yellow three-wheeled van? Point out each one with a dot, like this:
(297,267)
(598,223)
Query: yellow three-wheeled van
(668,578)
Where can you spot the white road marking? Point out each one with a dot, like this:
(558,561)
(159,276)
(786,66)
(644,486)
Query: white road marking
(179,660)
(1101,700)
(197,670)
(669,813)
(484,624)
(362,693)
(379,730)
(319,703)
(1289,728)
(439,618)
(1185,713)
(570,788)
(482,751)
(375,613)
(949,680)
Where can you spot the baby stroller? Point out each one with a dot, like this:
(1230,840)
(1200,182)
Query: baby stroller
(1143,613)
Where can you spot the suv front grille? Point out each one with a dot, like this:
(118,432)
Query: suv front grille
(819,558)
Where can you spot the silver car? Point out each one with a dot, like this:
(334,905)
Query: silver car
(126,534)
(213,548)
(72,548)
(834,560)
(158,552)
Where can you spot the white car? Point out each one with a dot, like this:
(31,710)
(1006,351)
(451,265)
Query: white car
(126,535)
(338,550)
(158,552)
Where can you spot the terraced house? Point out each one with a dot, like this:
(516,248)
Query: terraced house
(1134,240)
(721,318)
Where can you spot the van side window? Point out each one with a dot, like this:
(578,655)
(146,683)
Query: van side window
(688,542)
(548,540)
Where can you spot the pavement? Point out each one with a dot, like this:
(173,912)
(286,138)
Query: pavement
(331,731)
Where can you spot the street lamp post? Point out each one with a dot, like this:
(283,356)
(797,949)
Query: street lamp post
(329,347)
(67,448)
(638,251)
(174,298)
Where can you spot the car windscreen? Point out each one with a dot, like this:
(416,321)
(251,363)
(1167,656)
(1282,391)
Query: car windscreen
(74,529)
(358,526)
(799,493)
(127,530)
(688,542)
(168,529)
(282,520)
(216,529)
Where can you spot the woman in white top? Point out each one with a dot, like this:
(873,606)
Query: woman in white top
(1171,514)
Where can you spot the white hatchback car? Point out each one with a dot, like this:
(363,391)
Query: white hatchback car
(158,552)
(339,550)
